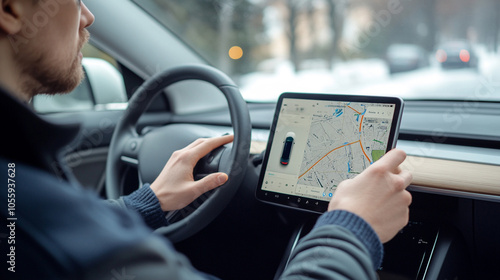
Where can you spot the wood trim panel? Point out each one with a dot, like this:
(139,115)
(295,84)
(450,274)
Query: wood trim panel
(454,175)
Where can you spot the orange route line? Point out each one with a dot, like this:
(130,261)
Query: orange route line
(363,149)
(328,154)
(354,109)
(360,125)
(361,122)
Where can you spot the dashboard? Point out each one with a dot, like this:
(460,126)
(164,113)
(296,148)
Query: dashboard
(455,189)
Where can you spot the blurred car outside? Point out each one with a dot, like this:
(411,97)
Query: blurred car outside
(406,57)
(456,54)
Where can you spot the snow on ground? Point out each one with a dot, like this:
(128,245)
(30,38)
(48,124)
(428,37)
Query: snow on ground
(372,77)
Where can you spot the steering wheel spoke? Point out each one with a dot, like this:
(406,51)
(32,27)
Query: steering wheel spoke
(130,153)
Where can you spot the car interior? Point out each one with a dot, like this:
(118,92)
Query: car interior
(151,89)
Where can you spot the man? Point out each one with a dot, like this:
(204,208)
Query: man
(60,231)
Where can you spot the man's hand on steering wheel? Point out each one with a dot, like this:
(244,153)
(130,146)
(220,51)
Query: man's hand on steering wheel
(175,187)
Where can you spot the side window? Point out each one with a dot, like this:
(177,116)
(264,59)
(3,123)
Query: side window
(102,89)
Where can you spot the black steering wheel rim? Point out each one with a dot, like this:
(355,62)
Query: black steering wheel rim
(237,159)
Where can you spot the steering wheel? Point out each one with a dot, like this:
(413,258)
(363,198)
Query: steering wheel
(150,151)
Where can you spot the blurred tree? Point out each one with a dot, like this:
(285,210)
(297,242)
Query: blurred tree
(408,22)
(293,7)
(455,18)
(496,25)
(336,10)
(247,27)
(490,24)
(225,25)
(430,23)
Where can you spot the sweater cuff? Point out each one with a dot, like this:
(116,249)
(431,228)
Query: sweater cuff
(145,202)
(360,228)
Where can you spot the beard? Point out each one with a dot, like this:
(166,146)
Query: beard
(53,77)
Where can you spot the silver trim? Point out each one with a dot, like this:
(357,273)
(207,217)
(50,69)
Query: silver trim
(295,242)
(450,152)
(454,193)
(421,263)
(431,255)
(111,106)
(130,160)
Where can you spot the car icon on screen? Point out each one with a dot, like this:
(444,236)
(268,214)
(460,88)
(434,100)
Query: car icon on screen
(287,148)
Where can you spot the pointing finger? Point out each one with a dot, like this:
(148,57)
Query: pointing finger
(211,181)
(392,160)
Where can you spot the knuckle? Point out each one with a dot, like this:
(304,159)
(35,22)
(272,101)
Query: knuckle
(177,154)
(344,183)
(408,197)
(186,155)
(181,155)
(377,170)
(201,140)
(399,183)
(410,177)
(197,142)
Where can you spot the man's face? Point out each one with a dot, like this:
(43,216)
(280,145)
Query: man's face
(48,49)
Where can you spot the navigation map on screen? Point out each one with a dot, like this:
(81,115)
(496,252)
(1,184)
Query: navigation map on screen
(319,143)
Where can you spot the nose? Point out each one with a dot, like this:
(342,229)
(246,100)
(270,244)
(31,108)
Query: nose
(87,18)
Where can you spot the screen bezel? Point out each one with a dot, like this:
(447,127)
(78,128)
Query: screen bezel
(311,204)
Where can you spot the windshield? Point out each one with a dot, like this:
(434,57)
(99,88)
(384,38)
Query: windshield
(415,49)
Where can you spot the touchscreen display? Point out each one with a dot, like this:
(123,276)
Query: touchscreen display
(316,144)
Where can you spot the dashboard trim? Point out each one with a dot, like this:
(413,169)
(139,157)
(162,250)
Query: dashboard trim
(454,175)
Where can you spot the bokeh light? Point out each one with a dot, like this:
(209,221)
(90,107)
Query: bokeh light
(464,56)
(235,52)
(441,56)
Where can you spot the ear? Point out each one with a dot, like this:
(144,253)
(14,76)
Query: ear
(10,16)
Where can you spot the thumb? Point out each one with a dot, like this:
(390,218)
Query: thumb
(212,181)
